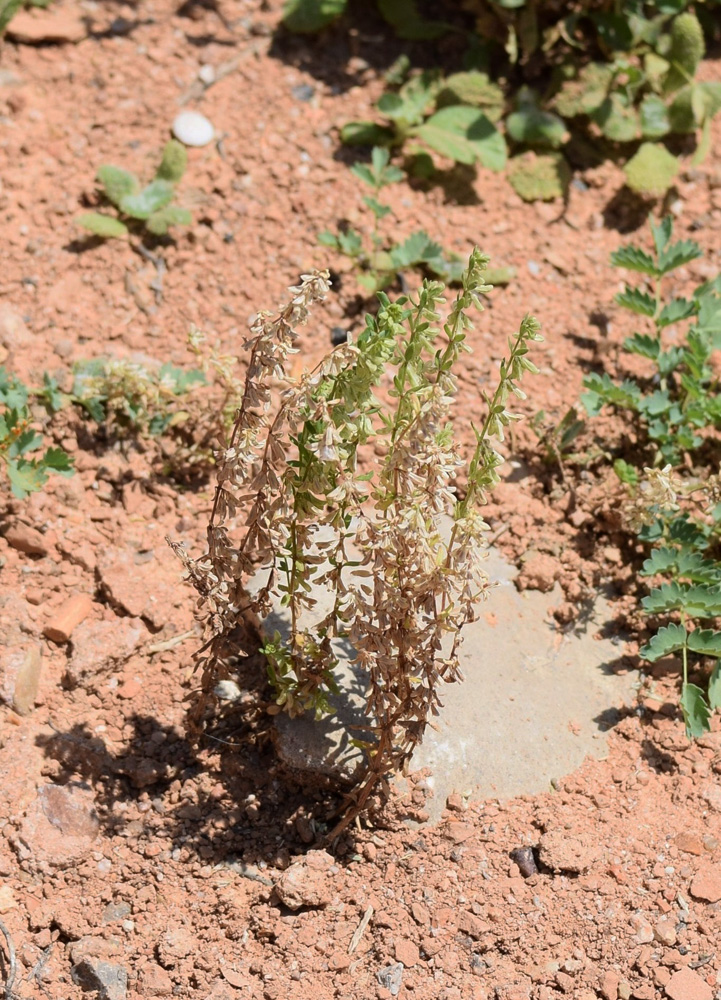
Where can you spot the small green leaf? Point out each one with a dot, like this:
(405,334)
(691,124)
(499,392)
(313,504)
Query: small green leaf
(58,461)
(625,472)
(534,127)
(465,135)
(473,88)
(661,233)
(328,239)
(643,344)
(25,477)
(174,162)
(117,183)
(652,170)
(655,121)
(669,639)
(171,215)
(147,202)
(618,120)
(705,641)
(695,709)
(539,176)
(102,225)
(309,16)
(635,259)
(677,255)
(675,311)
(637,301)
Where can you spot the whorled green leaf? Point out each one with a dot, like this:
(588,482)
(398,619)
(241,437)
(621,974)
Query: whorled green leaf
(174,162)
(309,16)
(172,215)
(117,183)
(696,711)
(696,601)
(465,135)
(417,249)
(652,170)
(101,225)
(539,177)
(151,199)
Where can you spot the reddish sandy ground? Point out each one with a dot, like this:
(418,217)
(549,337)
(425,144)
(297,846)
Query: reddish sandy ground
(123,845)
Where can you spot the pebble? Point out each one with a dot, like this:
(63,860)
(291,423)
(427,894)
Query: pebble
(534,267)
(706,885)
(68,616)
(41,27)
(690,843)
(564,853)
(524,858)
(155,981)
(391,977)
(303,92)
(25,539)
(20,669)
(407,953)
(109,981)
(227,691)
(308,881)
(193,129)
(206,74)
(59,828)
(664,932)
(687,985)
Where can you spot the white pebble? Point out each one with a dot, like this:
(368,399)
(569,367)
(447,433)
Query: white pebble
(227,691)
(193,129)
(206,74)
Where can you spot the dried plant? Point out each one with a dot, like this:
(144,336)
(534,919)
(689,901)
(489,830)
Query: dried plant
(399,550)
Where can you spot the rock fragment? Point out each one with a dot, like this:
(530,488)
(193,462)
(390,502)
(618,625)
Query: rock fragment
(706,884)
(68,616)
(687,985)
(26,539)
(308,881)
(562,852)
(20,669)
(391,978)
(107,980)
(59,827)
(41,27)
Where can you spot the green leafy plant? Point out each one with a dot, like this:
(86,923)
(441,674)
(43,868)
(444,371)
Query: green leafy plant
(679,400)
(567,84)
(127,397)
(150,207)
(686,564)
(675,501)
(381,263)
(557,437)
(21,442)
(452,116)
(398,550)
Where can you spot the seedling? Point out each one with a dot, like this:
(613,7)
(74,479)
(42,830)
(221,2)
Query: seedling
(149,208)
(380,264)
(20,442)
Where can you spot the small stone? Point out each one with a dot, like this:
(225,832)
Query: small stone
(690,843)
(565,982)
(59,827)
(534,267)
(41,27)
(454,802)
(20,669)
(68,617)
(155,981)
(193,129)
(563,852)
(687,985)
(308,881)
(664,933)
(524,858)
(644,933)
(407,953)
(206,74)
(13,329)
(391,977)
(706,885)
(109,981)
(608,985)
(26,539)
(227,691)
(7,898)
(458,832)
(115,912)
(303,92)
(176,944)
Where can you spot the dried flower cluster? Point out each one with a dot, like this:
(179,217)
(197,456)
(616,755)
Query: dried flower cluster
(398,550)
